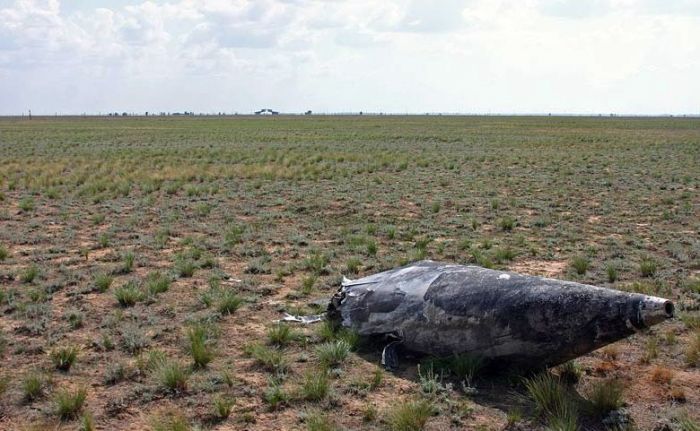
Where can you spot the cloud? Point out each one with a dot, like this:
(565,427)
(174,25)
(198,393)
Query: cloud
(400,55)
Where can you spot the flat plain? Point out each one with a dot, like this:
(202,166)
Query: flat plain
(143,261)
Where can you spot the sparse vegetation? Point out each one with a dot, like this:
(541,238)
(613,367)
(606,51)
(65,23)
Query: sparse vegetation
(103,282)
(229,302)
(315,386)
(172,376)
(157,283)
(33,385)
(223,407)
(129,294)
(647,267)
(333,353)
(580,264)
(69,403)
(200,345)
(119,235)
(410,416)
(606,395)
(30,274)
(552,401)
(63,358)
(281,335)
(169,420)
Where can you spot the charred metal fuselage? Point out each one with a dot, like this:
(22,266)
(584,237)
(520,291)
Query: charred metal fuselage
(530,321)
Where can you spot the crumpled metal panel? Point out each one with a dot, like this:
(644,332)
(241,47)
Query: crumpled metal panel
(443,309)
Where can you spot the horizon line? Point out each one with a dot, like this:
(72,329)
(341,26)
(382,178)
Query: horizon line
(148,114)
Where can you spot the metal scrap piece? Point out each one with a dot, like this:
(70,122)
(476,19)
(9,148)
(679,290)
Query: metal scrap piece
(444,309)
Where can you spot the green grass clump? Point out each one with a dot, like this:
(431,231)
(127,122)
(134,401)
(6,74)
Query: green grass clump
(505,254)
(129,294)
(315,386)
(570,372)
(686,423)
(103,240)
(580,264)
(611,271)
(185,268)
(4,252)
(319,422)
(33,385)
(552,401)
(151,360)
(169,420)
(605,395)
(172,376)
(271,359)
(647,267)
(316,263)
(333,353)
(103,282)
(229,302)
(692,352)
(128,263)
(69,404)
(200,345)
(115,373)
(352,265)
(281,335)
(506,223)
(465,366)
(75,319)
(87,423)
(410,416)
(27,204)
(30,274)
(275,396)
(157,283)
(307,285)
(223,407)
(63,358)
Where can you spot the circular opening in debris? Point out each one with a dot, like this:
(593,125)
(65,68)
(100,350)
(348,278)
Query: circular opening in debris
(669,308)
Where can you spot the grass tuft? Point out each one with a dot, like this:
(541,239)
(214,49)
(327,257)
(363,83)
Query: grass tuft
(129,294)
(281,335)
(315,386)
(552,401)
(229,302)
(69,404)
(223,407)
(170,420)
(172,376)
(580,264)
(199,345)
(63,358)
(333,353)
(605,396)
(33,386)
(410,416)
(103,282)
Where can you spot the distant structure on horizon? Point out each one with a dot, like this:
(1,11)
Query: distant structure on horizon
(266,111)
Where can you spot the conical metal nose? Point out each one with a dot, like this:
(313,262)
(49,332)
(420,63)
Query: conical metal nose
(653,310)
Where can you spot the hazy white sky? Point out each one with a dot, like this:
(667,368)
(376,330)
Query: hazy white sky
(507,56)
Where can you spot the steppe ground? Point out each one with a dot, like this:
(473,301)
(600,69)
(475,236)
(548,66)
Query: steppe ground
(143,261)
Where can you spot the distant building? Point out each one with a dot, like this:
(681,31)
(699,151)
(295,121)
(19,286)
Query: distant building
(307,112)
(266,111)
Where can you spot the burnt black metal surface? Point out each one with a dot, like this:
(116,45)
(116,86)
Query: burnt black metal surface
(443,309)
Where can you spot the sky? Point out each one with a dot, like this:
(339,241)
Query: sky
(393,56)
